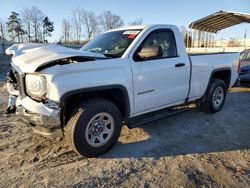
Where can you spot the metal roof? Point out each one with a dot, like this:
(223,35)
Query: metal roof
(219,20)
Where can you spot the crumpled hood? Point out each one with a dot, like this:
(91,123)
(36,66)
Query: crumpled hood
(28,57)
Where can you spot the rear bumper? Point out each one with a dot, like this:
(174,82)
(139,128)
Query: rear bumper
(49,126)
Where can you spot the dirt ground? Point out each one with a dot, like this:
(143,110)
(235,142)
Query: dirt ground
(192,149)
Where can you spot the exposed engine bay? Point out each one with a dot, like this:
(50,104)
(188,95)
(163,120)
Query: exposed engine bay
(65,61)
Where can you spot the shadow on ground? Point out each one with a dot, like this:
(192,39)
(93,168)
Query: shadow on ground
(193,132)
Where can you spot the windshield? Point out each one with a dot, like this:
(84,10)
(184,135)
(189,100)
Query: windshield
(112,44)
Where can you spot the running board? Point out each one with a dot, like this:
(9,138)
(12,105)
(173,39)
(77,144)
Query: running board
(154,116)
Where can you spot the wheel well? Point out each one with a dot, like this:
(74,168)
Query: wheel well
(117,96)
(224,75)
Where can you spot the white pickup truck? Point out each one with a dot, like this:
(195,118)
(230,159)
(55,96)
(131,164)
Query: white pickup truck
(126,76)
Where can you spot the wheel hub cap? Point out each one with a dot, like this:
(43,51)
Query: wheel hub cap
(218,96)
(100,129)
(97,128)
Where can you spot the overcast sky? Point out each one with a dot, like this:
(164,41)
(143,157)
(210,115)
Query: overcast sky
(178,12)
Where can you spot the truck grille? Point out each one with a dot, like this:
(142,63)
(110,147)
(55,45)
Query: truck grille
(20,84)
(17,80)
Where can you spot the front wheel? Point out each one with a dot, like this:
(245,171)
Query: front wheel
(94,127)
(215,96)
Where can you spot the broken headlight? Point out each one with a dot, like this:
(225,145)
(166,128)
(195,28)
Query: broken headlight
(35,85)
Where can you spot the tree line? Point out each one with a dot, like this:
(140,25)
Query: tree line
(83,25)
(30,25)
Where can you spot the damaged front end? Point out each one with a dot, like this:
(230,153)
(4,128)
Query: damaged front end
(14,90)
(43,114)
(28,86)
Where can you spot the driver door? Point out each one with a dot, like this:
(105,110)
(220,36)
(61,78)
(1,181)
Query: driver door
(162,80)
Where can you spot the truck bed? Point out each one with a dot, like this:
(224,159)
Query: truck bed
(204,64)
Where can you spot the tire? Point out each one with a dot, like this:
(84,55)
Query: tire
(215,96)
(93,128)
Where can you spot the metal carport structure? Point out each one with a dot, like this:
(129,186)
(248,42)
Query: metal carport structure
(211,25)
(220,20)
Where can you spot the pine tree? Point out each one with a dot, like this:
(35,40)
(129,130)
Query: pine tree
(48,28)
(14,27)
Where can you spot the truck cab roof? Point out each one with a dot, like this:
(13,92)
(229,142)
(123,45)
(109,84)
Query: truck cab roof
(141,27)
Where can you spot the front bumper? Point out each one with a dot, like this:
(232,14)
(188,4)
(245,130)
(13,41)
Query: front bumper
(43,116)
(45,121)
(49,126)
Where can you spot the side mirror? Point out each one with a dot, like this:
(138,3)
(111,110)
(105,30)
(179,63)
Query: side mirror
(150,52)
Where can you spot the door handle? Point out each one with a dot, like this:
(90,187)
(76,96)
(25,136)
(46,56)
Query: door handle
(180,64)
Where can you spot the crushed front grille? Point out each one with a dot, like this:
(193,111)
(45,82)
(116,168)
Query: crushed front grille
(17,81)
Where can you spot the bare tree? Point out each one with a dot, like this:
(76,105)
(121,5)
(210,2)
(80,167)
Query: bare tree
(37,18)
(3,33)
(110,21)
(26,20)
(77,24)
(138,21)
(89,21)
(3,29)
(94,26)
(66,27)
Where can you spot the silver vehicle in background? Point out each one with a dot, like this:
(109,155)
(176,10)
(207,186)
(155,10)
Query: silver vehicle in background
(244,76)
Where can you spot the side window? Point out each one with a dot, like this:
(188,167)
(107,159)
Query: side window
(164,40)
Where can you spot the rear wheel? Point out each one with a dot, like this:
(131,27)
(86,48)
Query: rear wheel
(94,127)
(215,96)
